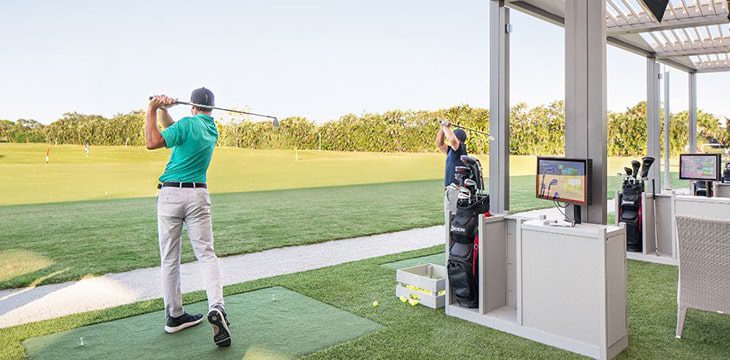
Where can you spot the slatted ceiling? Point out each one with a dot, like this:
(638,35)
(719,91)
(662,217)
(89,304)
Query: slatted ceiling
(694,34)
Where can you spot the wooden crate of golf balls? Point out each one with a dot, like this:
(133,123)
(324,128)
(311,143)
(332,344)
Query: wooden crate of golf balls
(422,284)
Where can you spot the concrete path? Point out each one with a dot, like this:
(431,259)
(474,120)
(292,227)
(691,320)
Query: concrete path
(20,306)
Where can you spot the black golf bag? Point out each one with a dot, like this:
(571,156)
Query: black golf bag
(464,238)
(629,212)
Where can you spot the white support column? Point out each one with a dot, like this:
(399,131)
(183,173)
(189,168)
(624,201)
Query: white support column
(692,113)
(667,132)
(499,106)
(653,129)
(585,96)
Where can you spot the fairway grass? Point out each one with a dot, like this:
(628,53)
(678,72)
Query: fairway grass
(117,172)
(114,172)
(423,333)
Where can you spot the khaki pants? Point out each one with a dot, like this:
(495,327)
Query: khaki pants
(189,207)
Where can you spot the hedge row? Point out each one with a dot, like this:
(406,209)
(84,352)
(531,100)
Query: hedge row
(536,130)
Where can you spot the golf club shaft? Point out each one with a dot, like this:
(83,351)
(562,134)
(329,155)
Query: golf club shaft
(656,234)
(223,109)
(466,128)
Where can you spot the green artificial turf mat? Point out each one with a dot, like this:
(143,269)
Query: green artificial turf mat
(436,259)
(272,322)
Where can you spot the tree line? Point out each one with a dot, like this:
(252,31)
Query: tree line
(533,130)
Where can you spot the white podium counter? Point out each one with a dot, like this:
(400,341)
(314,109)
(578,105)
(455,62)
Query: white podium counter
(722,189)
(561,286)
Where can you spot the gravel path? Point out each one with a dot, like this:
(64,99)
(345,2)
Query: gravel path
(20,306)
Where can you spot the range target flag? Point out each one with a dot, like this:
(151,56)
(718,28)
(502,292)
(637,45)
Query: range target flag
(657,7)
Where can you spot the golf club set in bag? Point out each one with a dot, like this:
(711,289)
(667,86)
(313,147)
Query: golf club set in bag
(464,239)
(630,211)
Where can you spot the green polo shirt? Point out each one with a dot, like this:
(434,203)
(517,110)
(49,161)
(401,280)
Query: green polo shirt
(192,140)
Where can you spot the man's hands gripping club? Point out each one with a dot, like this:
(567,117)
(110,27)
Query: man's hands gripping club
(445,138)
(153,137)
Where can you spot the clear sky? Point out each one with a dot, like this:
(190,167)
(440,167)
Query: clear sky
(315,58)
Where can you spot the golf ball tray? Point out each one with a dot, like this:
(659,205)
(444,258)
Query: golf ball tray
(422,284)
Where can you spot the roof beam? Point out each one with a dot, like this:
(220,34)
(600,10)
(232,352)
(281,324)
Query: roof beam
(678,52)
(713,69)
(677,65)
(537,12)
(668,24)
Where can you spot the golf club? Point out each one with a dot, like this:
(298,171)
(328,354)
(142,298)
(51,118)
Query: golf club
(656,236)
(275,119)
(447,123)
(476,168)
(646,164)
(628,171)
(635,164)
(624,178)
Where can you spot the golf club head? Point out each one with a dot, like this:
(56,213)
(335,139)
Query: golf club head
(276,122)
(635,164)
(462,170)
(553,182)
(628,171)
(464,193)
(645,166)
(470,182)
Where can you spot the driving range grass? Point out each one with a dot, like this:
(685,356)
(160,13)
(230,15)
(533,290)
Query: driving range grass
(422,333)
(114,172)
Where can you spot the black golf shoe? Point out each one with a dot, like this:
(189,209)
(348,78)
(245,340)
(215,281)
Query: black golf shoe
(182,322)
(218,319)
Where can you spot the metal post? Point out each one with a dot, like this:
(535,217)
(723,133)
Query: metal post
(585,96)
(499,30)
(653,130)
(667,132)
(692,113)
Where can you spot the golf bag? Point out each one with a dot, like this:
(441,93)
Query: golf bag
(463,260)
(630,213)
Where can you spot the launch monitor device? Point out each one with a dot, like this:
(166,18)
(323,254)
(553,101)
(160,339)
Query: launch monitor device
(700,167)
(564,180)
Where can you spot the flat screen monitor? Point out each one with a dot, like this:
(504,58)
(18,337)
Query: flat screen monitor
(703,167)
(563,180)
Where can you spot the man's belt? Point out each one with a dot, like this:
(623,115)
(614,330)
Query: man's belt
(182,185)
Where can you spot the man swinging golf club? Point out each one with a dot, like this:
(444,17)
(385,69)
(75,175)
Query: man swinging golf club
(184,200)
(453,144)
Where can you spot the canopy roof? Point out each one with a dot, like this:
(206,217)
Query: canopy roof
(693,35)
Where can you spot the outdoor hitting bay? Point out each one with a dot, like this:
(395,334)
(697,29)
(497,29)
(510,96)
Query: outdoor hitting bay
(273,322)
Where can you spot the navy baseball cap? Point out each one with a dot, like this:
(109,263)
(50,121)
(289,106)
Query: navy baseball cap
(202,96)
(460,134)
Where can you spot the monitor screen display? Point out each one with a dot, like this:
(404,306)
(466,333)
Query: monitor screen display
(699,167)
(563,180)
